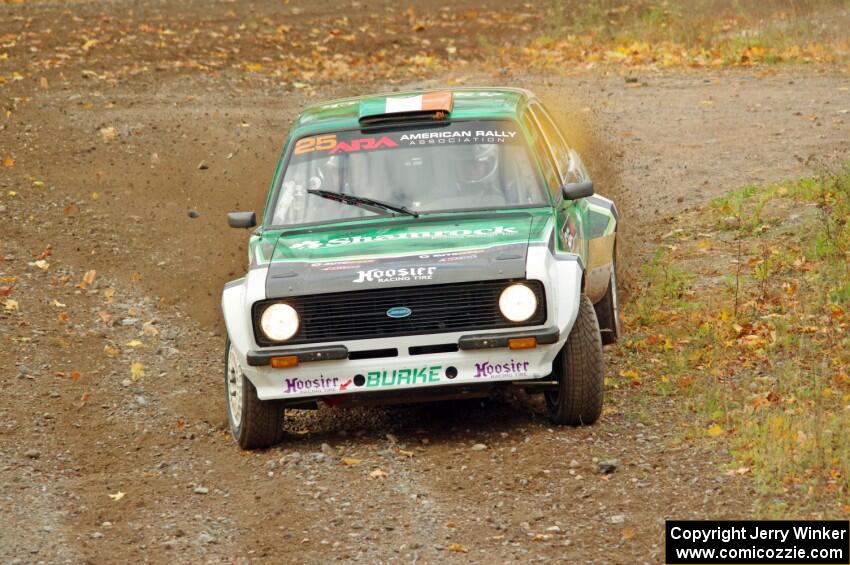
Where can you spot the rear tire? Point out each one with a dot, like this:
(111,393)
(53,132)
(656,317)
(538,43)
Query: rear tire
(608,310)
(254,423)
(580,372)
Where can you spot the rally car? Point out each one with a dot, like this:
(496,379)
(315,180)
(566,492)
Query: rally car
(418,246)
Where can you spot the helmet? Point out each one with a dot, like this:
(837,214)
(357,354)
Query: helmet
(476,165)
(327,175)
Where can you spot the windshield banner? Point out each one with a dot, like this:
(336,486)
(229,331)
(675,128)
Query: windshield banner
(448,133)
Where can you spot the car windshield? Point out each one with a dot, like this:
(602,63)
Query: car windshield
(445,166)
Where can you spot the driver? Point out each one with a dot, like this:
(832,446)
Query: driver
(328,175)
(476,169)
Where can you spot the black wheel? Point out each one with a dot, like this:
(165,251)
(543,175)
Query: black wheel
(253,422)
(580,372)
(608,310)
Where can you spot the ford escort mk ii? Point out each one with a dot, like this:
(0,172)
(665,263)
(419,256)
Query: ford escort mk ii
(418,246)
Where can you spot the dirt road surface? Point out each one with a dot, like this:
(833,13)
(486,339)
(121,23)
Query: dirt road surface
(113,436)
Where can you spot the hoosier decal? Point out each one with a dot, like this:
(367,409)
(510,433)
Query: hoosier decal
(507,370)
(318,385)
(396,275)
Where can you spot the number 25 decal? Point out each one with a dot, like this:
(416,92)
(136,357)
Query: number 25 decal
(316,143)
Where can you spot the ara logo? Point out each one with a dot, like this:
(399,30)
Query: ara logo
(362,144)
(399,312)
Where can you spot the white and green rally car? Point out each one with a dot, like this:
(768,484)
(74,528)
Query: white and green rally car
(419,246)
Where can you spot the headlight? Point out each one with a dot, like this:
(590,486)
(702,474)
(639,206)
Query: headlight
(279,322)
(517,303)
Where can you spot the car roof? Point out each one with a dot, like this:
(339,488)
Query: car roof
(345,113)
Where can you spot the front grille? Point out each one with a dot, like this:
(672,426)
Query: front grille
(439,308)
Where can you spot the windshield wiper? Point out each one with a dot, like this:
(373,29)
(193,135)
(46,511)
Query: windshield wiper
(368,203)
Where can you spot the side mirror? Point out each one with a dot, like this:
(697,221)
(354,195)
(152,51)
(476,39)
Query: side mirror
(241,219)
(576,190)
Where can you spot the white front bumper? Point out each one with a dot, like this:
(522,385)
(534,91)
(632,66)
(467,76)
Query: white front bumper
(404,372)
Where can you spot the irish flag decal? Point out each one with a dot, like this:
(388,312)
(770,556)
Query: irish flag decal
(425,103)
(430,102)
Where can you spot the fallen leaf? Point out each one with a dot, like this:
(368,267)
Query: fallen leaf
(88,278)
(57,304)
(75,375)
(405,453)
(378,474)
(133,343)
(63,317)
(137,371)
(350,461)
(110,351)
(105,317)
(117,496)
(715,431)
(457,548)
(83,399)
(181,424)
(41,264)
(108,294)
(10,304)
(628,533)
(8,162)
(45,253)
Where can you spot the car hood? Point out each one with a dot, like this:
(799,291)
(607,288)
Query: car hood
(399,252)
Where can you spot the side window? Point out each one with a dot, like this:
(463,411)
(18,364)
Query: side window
(538,143)
(556,140)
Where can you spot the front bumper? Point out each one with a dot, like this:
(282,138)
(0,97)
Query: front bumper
(356,376)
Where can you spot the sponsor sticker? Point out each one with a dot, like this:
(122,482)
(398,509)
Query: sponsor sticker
(340,265)
(508,370)
(330,144)
(457,136)
(395,275)
(317,385)
(399,377)
(433,235)
(451,256)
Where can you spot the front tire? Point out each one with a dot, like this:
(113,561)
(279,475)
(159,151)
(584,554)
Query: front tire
(580,372)
(254,423)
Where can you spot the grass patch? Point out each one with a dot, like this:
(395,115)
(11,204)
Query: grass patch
(696,32)
(744,317)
